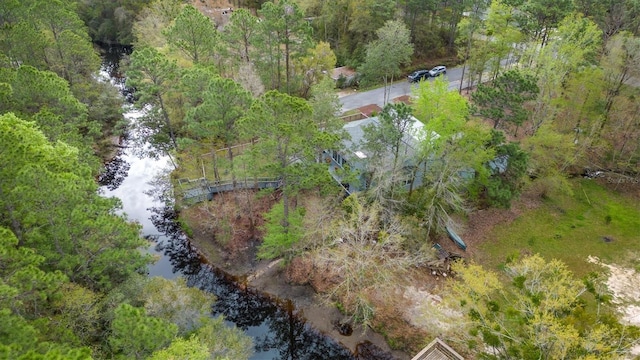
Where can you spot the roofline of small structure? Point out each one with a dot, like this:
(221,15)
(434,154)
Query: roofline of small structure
(439,345)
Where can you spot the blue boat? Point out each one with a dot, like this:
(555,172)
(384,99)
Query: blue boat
(456,239)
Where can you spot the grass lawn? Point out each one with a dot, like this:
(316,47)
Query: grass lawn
(593,221)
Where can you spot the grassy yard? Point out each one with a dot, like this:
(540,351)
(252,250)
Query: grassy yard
(593,221)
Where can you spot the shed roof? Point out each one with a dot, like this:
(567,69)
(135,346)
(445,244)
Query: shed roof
(344,71)
(437,350)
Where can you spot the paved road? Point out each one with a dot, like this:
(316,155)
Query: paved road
(399,88)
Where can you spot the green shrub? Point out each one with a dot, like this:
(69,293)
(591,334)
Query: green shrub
(278,238)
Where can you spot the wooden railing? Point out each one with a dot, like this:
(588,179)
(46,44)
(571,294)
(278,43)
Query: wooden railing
(206,190)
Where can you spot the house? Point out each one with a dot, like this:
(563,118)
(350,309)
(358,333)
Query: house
(437,350)
(354,158)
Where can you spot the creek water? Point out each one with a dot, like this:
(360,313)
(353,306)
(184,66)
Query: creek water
(277,329)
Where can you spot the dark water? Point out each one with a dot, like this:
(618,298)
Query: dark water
(274,324)
(111,62)
(277,329)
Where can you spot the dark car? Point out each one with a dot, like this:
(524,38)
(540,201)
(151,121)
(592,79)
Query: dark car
(418,75)
(436,71)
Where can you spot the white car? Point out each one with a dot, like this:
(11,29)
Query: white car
(436,71)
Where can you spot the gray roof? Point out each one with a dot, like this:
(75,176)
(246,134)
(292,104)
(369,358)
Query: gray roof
(355,129)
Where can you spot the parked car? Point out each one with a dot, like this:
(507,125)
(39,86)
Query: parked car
(418,75)
(436,71)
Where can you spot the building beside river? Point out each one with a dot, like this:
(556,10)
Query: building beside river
(353,158)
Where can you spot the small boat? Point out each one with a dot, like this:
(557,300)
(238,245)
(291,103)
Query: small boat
(456,239)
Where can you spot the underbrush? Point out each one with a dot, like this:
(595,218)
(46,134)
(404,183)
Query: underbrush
(400,335)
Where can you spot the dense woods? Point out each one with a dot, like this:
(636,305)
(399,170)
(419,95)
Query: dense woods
(73,281)
(550,92)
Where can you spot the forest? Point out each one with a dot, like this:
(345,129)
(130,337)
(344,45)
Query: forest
(549,95)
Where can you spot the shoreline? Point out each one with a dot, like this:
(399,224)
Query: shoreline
(268,277)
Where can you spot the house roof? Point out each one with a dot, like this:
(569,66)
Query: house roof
(355,129)
(437,350)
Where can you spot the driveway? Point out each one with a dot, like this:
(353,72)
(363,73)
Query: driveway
(399,88)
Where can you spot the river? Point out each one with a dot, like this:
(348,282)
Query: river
(277,329)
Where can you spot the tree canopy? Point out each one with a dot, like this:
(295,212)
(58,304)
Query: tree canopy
(70,264)
(385,55)
(45,187)
(194,34)
(503,99)
(539,313)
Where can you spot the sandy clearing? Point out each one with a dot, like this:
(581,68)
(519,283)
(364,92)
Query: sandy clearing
(624,284)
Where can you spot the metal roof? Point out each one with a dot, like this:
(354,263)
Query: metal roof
(355,129)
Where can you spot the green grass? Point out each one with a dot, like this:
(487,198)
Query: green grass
(570,228)
(350,112)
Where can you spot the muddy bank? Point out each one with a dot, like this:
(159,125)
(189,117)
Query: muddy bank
(272,280)
(235,255)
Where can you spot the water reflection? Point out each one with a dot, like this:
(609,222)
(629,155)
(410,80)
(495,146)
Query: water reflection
(114,172)
(111,58)
(142,185)
(294,340)
(278,331)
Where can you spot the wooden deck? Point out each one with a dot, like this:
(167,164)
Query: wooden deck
(438,350)
(206,190)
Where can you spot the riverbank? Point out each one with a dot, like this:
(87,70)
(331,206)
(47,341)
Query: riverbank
(225,231)
(232,248)
(272,280)
(485,231)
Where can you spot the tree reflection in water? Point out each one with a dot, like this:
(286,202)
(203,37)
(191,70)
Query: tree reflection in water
(282,334)
(284,331)
(111,57)
(277,330)
(114,173)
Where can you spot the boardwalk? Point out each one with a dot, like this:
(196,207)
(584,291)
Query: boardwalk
(205,190)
